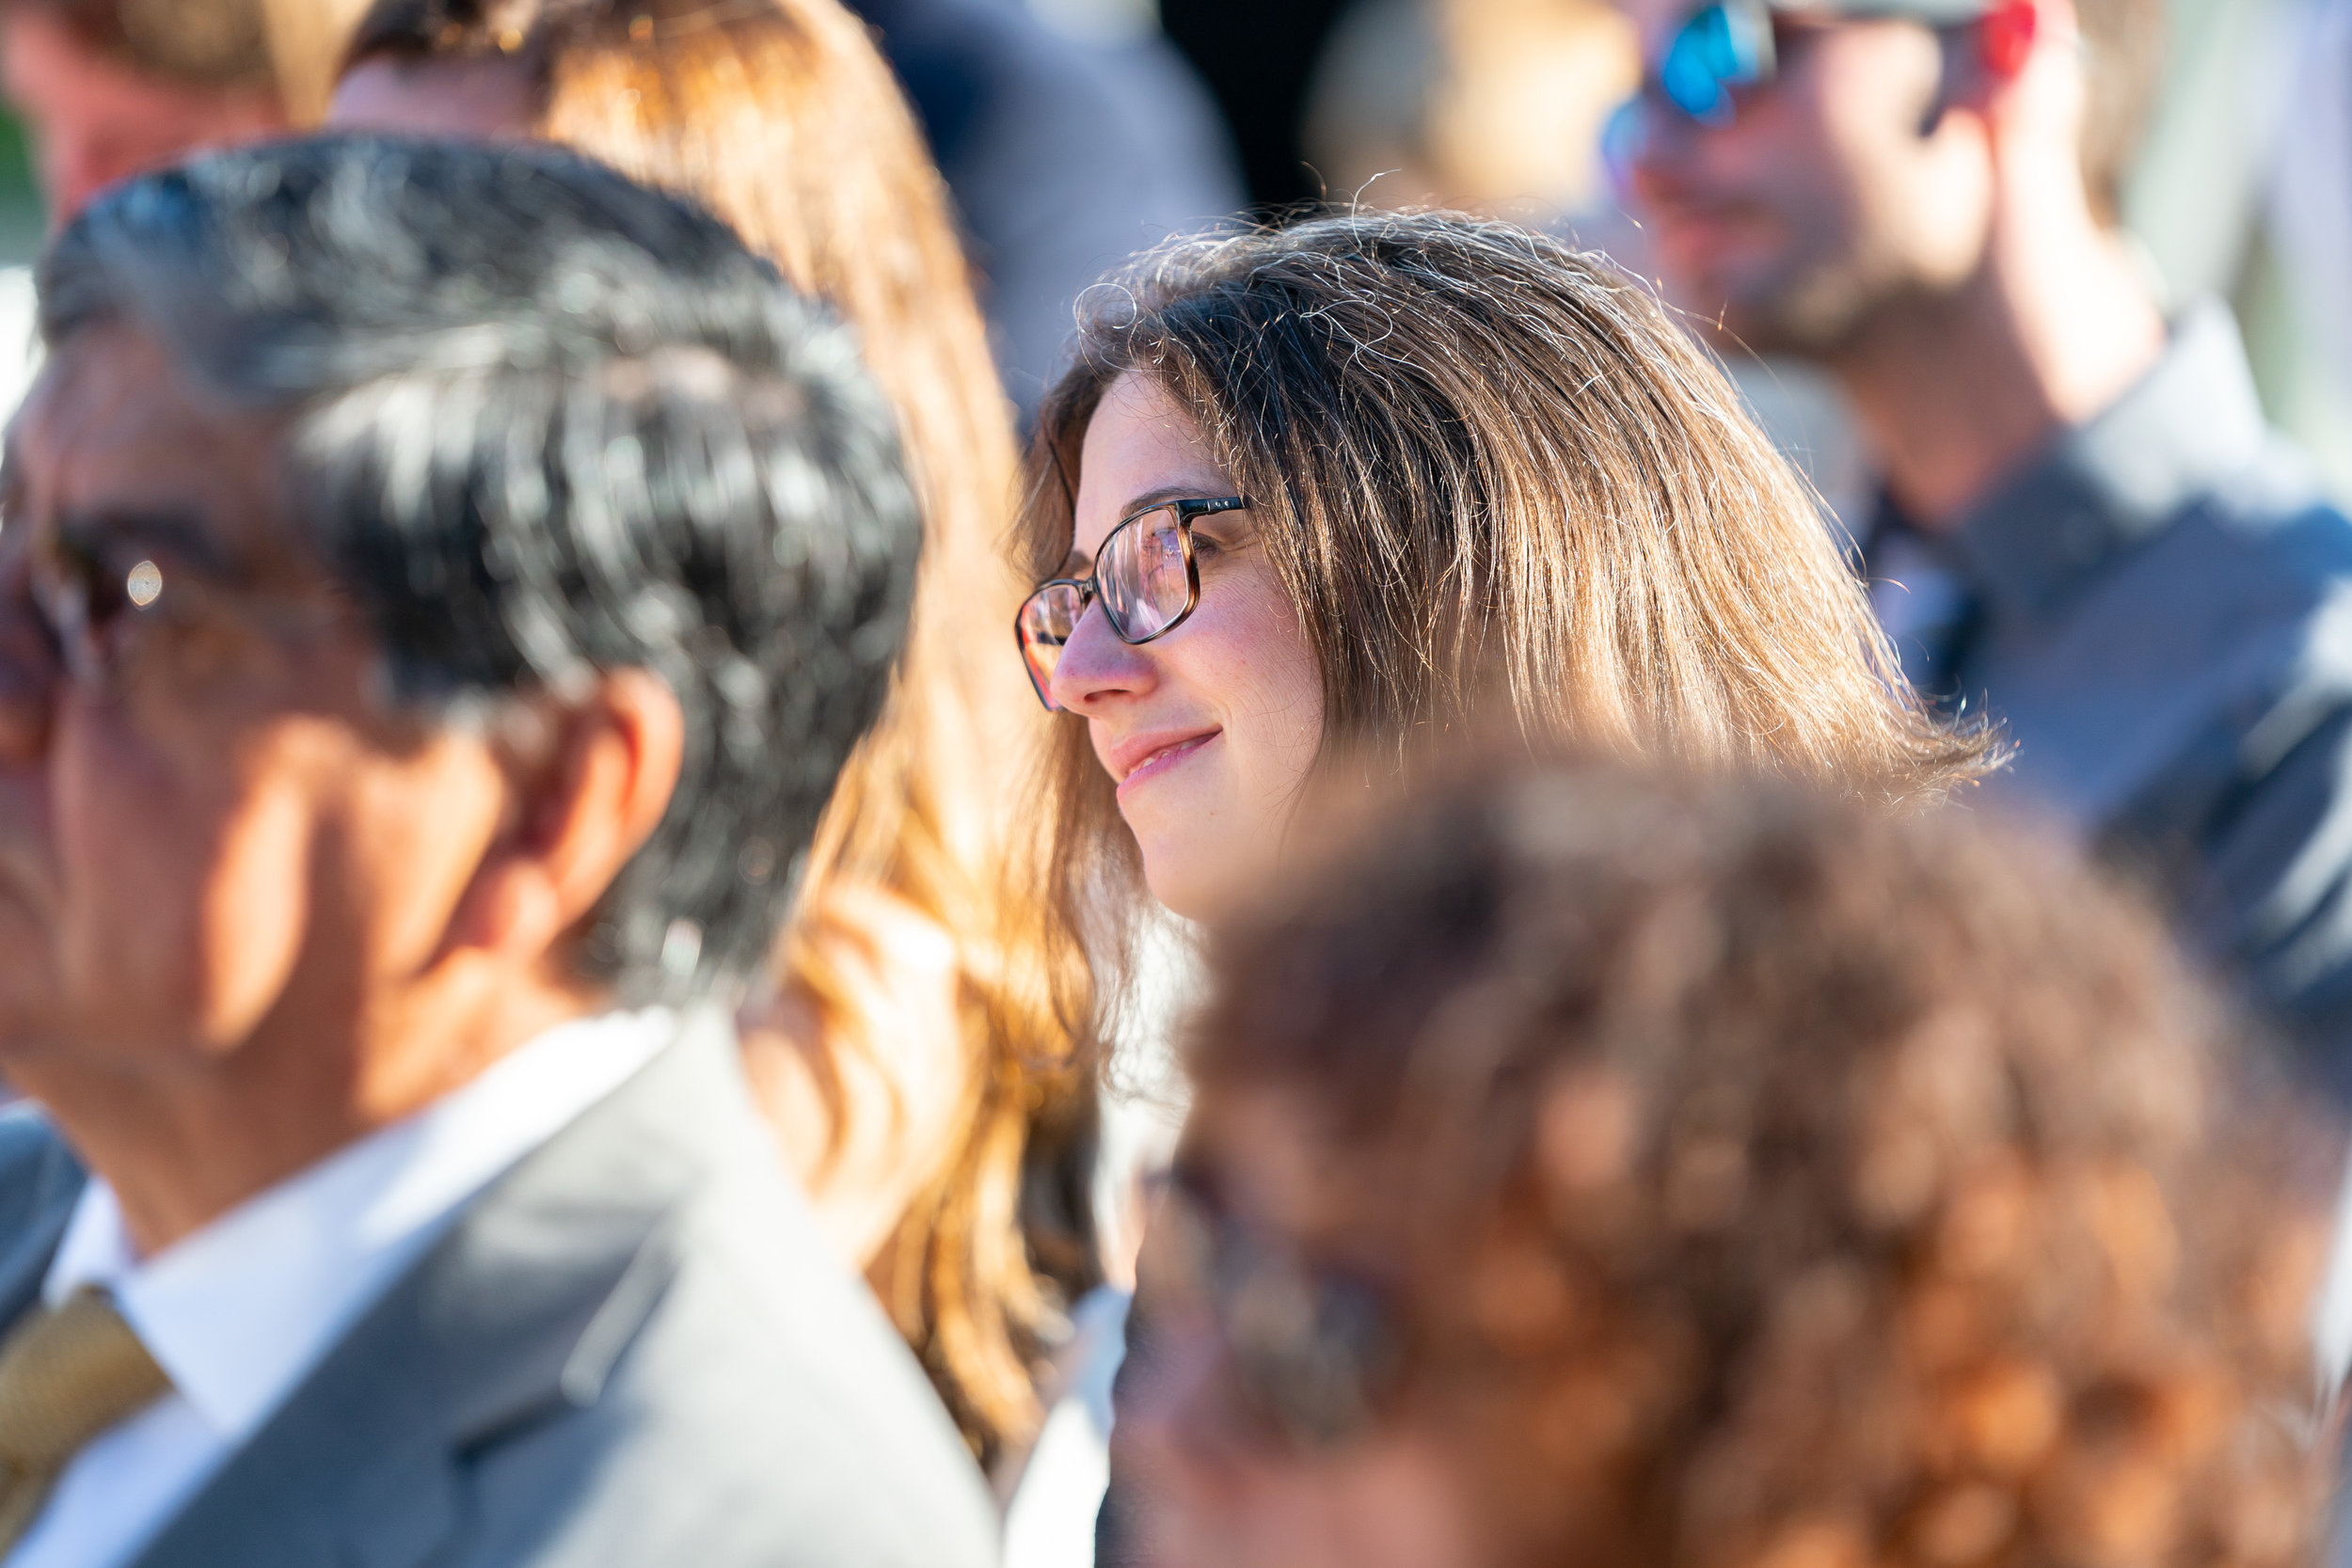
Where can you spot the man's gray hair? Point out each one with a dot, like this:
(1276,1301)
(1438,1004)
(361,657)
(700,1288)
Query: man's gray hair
(545,422)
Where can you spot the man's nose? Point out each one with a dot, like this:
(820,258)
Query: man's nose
(1095,666)
(1662,151)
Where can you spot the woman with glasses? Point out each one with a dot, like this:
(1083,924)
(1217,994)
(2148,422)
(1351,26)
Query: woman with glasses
(1599,1171)
(1322,501)
(1323,497)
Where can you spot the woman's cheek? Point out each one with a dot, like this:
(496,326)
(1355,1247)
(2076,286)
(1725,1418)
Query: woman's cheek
(1283,693)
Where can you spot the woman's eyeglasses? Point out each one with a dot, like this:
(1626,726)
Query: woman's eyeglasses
(1144,575)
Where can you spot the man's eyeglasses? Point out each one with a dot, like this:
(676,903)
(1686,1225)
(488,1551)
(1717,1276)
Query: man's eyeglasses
(98,612)
(1733,44)
(80,602)
(1725,46)
(1144,575)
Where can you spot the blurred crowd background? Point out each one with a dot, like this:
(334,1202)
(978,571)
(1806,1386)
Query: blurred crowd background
(1073,134)
(1498,106)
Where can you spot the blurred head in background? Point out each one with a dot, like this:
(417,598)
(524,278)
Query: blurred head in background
(1590,1169)
(1447,468)
(1812,171)
(906,1058)
(1485,106)
(110,89)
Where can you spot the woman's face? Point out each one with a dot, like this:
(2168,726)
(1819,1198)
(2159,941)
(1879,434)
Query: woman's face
(1208,730)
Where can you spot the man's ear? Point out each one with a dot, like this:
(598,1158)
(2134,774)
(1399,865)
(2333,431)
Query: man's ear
(591,776)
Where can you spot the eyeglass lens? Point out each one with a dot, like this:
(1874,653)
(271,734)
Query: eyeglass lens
(1047,620)
(1141,576)
(1725,46)
(1311,1348)
(81,599)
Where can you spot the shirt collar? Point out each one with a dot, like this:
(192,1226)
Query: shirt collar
(239,1312)
(2186,425)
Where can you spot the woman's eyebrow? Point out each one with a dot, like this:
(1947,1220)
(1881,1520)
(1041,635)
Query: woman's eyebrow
(1077,561)
(1160,496)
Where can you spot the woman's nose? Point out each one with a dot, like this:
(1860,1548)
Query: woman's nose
(1095,665)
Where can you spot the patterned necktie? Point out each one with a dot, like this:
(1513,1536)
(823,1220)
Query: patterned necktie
(65,1376)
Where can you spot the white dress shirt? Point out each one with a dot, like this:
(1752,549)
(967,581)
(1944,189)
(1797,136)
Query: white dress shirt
(239,1313)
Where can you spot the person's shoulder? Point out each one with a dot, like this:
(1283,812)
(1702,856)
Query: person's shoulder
(2276,506)
(764,1412)
(39,1181)
(37,1172)
(2259,554)
(787,1343)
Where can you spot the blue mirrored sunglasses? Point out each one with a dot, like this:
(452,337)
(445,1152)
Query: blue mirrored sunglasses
(1726,45)
(1732,44)
(1719,48)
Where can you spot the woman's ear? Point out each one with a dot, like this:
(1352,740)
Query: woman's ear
(590,776)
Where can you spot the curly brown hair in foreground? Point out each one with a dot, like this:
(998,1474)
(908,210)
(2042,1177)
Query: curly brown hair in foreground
(1790,1184)
(781,117)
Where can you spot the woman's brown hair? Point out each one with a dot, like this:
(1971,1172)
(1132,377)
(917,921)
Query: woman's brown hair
(1766,1181)
(1494,476)
(781,117)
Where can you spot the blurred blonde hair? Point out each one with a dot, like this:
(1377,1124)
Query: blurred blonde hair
(781,117)
(306,41)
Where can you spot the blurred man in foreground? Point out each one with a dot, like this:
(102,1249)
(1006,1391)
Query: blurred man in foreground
(439,588)
(2088,529)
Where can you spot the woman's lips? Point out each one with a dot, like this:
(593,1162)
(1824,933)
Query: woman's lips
(1160,759)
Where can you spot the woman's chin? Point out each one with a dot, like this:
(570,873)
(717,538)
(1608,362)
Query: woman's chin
(1197,883)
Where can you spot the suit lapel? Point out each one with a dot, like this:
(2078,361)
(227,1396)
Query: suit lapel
(518,1313)
(34,1213)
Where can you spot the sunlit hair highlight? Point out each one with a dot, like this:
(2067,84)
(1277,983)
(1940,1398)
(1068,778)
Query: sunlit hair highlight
(783,118)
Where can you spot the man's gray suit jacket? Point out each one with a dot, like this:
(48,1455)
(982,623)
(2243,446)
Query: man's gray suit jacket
(633,1349)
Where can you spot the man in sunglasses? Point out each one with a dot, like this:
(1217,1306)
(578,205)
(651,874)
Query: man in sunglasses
(2088,532)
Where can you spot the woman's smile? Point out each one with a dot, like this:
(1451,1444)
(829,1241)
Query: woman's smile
(1208,732)
(1136,761)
